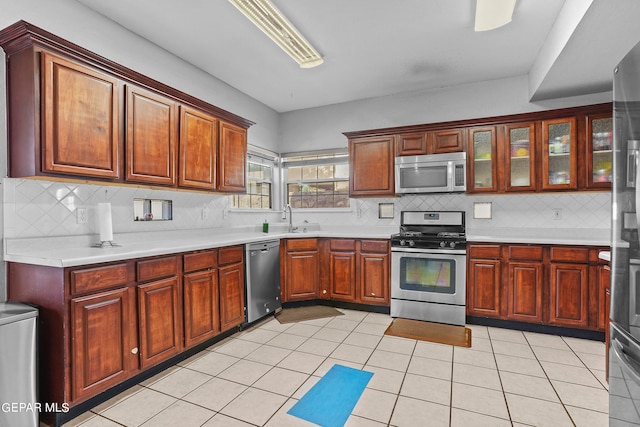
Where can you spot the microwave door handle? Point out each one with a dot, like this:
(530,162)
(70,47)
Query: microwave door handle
(451,176)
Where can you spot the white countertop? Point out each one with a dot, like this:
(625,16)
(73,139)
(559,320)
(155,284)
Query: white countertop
(76,250)
(551,236)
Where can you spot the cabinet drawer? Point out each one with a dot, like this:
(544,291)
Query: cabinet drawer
(484,251)
(569,254)
(230,255)
(525,253)
(156,268)
(302,244)
(374,246)
(343,245)
(98,278)
(199,261)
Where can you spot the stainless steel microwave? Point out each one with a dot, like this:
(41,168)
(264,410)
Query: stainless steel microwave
(431,173)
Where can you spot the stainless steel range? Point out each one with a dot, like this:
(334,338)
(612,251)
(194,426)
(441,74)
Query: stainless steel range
(428,267)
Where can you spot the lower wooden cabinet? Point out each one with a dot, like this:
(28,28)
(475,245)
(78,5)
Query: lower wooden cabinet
(342,269)
(524,291)
(525,275)
(231,280)
(200,297)
(569,295)
(484,284)
(159,310)
(102,324)
(355,271)
(101,342)
(374,272)
(544,284)
(347,270)
(301,270)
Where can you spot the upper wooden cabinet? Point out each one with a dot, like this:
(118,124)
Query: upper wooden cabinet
(436,142)
(446,141)
(520,154)
(371,166)
(151,137)
(80,108)
(483,160)
(555,150)
(74,114)
(599,149)
(232,169)
(559,154)
(198,149)
(411,144)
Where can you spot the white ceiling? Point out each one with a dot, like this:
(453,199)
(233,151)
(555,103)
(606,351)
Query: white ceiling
(382,47)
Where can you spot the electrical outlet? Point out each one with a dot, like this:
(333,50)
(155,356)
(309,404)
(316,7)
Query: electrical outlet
(205,213)
(557,213)
(81,216)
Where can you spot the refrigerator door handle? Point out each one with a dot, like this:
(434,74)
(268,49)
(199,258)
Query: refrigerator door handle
(626,362)
(637,185)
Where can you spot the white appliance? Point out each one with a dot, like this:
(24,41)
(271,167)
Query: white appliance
(431,173)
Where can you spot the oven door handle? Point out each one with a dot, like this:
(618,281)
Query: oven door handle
(430,251)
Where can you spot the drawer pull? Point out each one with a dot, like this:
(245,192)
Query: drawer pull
(134,350)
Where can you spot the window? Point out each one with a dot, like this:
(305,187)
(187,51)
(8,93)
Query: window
(259,184)
(317,180)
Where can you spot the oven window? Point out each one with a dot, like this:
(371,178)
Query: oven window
(424,177)
(427,275)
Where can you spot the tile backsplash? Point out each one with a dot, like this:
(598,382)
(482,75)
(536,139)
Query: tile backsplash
(38,208)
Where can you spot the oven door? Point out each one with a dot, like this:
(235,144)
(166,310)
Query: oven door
(429,275)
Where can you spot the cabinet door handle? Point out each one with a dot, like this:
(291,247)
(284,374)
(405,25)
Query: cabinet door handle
(134,350)
(373,294)
(324,291)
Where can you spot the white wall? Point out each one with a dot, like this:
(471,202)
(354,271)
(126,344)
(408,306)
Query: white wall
(323,126)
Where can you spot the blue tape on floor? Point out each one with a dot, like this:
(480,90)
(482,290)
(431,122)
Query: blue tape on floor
(330,402)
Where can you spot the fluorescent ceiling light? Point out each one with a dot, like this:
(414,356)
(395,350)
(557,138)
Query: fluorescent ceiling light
(491,14)
(269,19)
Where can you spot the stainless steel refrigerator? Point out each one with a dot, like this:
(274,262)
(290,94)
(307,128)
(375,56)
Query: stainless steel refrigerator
(624,350)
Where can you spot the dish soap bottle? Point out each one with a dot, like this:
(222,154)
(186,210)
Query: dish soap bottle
(265,226)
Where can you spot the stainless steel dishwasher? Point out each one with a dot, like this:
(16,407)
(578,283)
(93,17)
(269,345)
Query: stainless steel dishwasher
(262,278)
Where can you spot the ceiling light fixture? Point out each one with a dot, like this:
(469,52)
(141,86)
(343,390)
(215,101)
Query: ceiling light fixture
(491,14)
(269,19)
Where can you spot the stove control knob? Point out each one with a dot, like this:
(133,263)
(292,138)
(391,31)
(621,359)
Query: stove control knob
(452,244)
(402,242)
(412,243)
(443,244)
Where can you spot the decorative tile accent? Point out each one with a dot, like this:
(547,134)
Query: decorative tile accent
(37,208)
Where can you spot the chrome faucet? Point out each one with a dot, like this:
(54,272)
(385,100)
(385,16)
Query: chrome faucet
(291,227)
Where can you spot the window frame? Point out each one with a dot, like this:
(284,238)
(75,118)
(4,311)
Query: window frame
(305,158)
(262,157)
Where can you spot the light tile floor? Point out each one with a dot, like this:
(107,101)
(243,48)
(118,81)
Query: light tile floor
(507,378)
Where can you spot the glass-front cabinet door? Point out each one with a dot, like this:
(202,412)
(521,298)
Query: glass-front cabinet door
(559,154)
(520,157)
(599,151)
(483,166)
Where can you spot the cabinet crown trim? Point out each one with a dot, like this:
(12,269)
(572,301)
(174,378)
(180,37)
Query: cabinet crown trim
(22,35)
